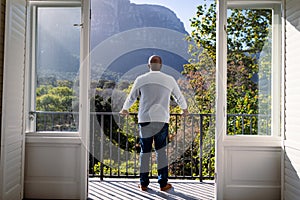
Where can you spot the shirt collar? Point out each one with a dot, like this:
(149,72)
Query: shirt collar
(154,71)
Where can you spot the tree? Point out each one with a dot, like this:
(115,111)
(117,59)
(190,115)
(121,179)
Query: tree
(51,98)
(249,54)
(56,99)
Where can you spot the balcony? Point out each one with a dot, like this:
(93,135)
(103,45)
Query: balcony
(114,151)
(114,147)
(127,189)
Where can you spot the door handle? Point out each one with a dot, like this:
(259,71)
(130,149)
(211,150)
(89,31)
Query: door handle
(78,25)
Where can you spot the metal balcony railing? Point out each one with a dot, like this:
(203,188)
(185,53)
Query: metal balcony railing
(114,148)
(114,141)
(48,121)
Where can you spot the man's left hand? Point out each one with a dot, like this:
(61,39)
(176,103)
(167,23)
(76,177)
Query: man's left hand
(185,112)
(124,112)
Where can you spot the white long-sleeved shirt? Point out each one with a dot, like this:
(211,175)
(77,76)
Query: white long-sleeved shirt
(154,89)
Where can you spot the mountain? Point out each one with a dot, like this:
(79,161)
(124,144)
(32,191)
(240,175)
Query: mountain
(110,19)
(154,27)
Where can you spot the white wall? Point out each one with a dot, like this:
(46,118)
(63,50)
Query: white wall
(292,107)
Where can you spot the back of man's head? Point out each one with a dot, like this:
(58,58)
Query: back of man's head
(155,63)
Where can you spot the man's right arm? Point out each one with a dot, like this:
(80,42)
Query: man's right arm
(131,98)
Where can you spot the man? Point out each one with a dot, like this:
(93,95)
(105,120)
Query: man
(154,90)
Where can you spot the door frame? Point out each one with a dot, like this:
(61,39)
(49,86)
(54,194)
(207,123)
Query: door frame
(221,52)
(84,106)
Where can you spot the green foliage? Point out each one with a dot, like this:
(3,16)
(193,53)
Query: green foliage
(204,31)
(65,83)
(201,80)
(192,140)
(124,129)
(49,98)
(247,31)
(56,98)
(129,168)
(248,58)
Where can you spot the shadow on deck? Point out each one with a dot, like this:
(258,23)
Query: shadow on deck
(127,189)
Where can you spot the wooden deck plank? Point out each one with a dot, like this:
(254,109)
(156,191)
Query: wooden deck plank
(128,189)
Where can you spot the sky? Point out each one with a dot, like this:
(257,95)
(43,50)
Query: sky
(184,9)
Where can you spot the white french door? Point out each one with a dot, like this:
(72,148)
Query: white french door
(12,129)
(249,164)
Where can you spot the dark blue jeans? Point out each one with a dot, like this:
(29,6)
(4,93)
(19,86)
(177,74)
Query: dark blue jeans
(157,131)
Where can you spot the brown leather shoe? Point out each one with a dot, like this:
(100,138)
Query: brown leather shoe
(166,188)
(143,188)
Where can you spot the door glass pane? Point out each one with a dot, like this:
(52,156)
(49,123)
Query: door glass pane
(124,34)
(57,68)
(249,67)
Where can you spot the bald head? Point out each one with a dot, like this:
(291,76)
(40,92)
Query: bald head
(155,63)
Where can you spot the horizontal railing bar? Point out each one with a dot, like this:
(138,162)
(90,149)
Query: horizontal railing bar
(105,113)
(173,114)
(154,177)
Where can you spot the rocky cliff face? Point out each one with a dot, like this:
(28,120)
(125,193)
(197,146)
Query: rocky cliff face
(114,16)
(110,17)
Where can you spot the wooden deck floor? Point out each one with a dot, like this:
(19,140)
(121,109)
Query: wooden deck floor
(127,189)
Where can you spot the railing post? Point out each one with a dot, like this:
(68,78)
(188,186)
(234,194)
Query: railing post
(110,143)
(52,120)
(192,145)
(93,143)
(176,144)
(211,146)
(183,154)
(126,145)
(101,147)
(119,141)
(201,148)
(136,129)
